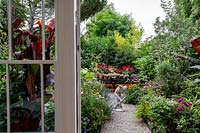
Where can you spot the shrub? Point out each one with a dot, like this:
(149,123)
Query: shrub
(186,116)
(94,112)
(191,90)
(94,108)
(134,95)
(156,110)
(146,66)
(169,77)
(169,115)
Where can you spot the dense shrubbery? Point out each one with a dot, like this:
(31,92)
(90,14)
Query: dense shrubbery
(166,59)
(134,95)
(110,38)
(169,77)
(169,115)
(95,111)
(168,95)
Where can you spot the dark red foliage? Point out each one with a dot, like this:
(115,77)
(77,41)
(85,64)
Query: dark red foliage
(196,44)
(32,38)
(51,25)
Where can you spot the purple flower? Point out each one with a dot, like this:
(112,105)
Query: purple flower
(84,119)
(158,128)
(179,108)
(187,104)
(180,99)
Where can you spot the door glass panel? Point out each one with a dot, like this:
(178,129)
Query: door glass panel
(3,30)
(50,29)
(25,98)
(49,103)
(27,29)
(24,80)
(3,117)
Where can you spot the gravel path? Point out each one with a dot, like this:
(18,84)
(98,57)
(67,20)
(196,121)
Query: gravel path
(125,122)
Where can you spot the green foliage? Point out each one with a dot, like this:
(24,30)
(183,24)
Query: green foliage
(155,110)
(106,22)
(169,115)
(134,95)
(195,9)
(156,60)
(49,116)
(94,113)
(94,108)
(17,81)
(175,32)
(89,85)
(145,65)
(110,39)
(165,115)
(2,98)
(2,84)
(166,75)
(3,118)
(90,7)
(189,7)
(186,115)
(19,11)
(3,44)
(191,90)
(94,50)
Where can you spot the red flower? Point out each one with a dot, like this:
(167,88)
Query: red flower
(127,68)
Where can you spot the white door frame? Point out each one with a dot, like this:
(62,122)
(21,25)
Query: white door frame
(67,67)
(67,84)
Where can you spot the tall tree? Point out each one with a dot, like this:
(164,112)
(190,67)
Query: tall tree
(90,7)
(111,38)
(107,22)
(189,7)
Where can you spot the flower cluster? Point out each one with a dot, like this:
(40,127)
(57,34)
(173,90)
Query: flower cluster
(182,103)
(124,74)
(107,72)
(105,69)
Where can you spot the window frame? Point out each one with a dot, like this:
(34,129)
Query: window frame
(67,66)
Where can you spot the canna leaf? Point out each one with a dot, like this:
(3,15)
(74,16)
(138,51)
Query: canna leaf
(51,25)
(17,23)
(39,23)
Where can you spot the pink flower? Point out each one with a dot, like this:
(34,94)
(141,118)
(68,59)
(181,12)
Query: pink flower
(180,99)
(179,108)
(187,104)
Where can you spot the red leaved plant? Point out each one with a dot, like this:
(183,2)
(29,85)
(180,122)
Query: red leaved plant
(30,44)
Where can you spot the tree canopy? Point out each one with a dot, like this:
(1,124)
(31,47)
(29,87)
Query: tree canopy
(110,38)
(30,10)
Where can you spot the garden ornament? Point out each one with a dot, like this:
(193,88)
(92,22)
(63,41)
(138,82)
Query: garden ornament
(120,94)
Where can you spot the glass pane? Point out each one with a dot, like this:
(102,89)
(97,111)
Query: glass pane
(49,99)
(27,40)
(50,29)
(3,121)
(25,96)
(3,30)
